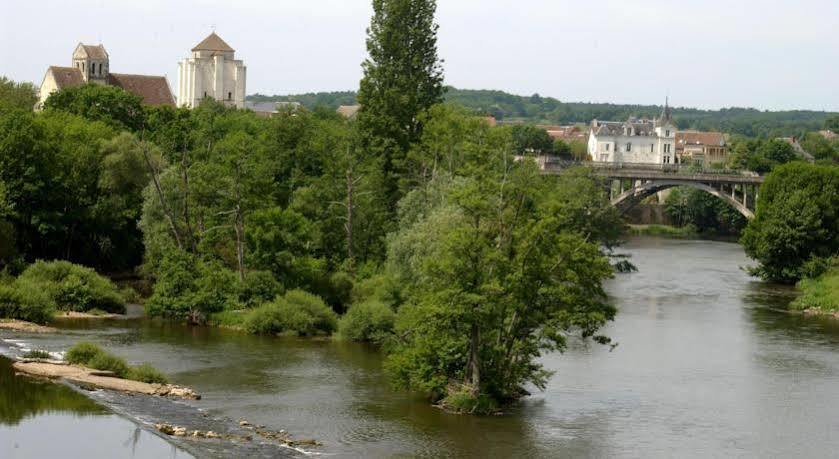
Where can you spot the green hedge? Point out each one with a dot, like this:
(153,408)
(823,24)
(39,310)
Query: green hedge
(74,287)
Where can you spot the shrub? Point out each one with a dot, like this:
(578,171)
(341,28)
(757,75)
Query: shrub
(820,294)
(370,321)
(74,287)
(297,312)
(37,354)
(259,287)
(109,362)
(462,399)
(24,300)
(147,374)
(82,353)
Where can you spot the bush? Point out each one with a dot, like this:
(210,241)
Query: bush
(259,287)
(24,300)
(109,362)
(37,354)
(370,321)
(82,353)
(147,374)
(74,287)
(821,294)
(296,312)
(92,356)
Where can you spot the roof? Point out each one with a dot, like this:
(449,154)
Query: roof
(620,128)
(95,52)
(66,76)
(213,43)
(154,90)
(829,135)
(566,133)
(699,138)
(349,111)
(261,107)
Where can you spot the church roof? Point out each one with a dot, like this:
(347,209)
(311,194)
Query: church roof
(95,52)
(213,43)
(66,77)
(154,90)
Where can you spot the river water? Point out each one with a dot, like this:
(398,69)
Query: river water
(708,365)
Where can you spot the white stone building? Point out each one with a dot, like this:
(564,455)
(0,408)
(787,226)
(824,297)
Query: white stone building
(634,141)
(91,64)
(212,72)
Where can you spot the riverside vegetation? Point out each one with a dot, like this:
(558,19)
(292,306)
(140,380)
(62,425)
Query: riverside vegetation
(412,227)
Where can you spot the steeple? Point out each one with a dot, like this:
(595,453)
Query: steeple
(666,114)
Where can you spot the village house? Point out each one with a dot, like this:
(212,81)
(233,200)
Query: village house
(634,140)
(705,148)
(91,64)
(214,72)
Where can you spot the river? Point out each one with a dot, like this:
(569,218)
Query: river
(708,365)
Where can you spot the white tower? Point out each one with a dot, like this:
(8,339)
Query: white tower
(211,72)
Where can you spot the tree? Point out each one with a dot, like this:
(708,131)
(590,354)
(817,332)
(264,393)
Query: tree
(796,225)
(832,123)
(532,140)
(17,95)
(818,146)
(496,272)
(114,106)
(403,78)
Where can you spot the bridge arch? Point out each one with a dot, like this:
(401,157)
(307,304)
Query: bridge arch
(629,198)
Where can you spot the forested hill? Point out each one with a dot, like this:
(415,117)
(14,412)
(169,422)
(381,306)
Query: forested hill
(536,109)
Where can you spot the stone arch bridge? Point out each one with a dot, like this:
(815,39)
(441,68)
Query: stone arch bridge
(629,184)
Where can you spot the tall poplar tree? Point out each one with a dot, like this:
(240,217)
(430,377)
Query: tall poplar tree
(403,78)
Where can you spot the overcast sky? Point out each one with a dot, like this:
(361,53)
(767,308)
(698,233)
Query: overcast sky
(768,54)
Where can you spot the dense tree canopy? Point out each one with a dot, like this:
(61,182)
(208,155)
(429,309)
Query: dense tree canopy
(796,227)
(114,106)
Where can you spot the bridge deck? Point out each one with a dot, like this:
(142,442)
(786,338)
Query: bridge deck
(657,172)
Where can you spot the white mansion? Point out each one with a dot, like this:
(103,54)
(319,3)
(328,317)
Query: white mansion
(213,72)
(635,140)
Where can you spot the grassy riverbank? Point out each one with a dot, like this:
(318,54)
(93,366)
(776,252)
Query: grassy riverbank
(673,232)
(820,295)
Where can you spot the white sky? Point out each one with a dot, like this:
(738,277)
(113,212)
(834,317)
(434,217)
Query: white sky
(769,54)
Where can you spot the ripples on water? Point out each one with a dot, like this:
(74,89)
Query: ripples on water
(707,366)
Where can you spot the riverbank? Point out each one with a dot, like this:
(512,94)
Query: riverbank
(24,327)
(819,296)
(688,232)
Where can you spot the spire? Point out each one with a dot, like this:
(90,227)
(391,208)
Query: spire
(213,43)
(666,113)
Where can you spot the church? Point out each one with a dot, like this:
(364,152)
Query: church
(635,140)
(91,64)
(213,72)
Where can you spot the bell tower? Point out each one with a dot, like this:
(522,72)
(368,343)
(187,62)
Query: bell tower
(93,62)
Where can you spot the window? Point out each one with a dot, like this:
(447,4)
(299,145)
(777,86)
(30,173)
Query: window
(666,160)
(229,96)
(607,147)
(667,133)
(667,148)
(205,94)
(629,146)
(93,68)
(82,67)
(652,148)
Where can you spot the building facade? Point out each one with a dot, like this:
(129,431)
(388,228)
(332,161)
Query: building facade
(91,64)
(704,148)
(634,140)
(212,72)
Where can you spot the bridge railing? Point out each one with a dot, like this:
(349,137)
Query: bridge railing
(556,163)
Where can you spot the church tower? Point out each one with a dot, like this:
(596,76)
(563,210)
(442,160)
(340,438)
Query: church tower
(92,61)
(665,130)
(211,72)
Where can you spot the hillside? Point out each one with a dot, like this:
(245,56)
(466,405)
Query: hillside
(536,109)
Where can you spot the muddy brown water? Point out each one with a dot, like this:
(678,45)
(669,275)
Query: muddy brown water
(708,365)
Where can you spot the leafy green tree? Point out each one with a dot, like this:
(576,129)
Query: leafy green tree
(529,139)
(707,213)
(818,146)
(114,106)
(495,273)
(403,78)
(17,95)
(796,224)
(832,123)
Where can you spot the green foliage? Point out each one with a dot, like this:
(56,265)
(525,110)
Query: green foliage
(821,148)
(37,354)
(190,288)
(27,301)
(703,212)
(461,399)
(682,232)
(796,221)
(73,287)
(403,78)
(259,287)
(820,293)
(369,321)
(112,105)
(17,95)
(296,312)
(528,139)
(82,352)
(537,109)
(147,374)
(760,155)
(87,354)
(499,270)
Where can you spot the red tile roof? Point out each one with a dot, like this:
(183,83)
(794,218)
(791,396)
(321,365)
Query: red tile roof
(153,89)
(213,43)
(700,138)
(66,76)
